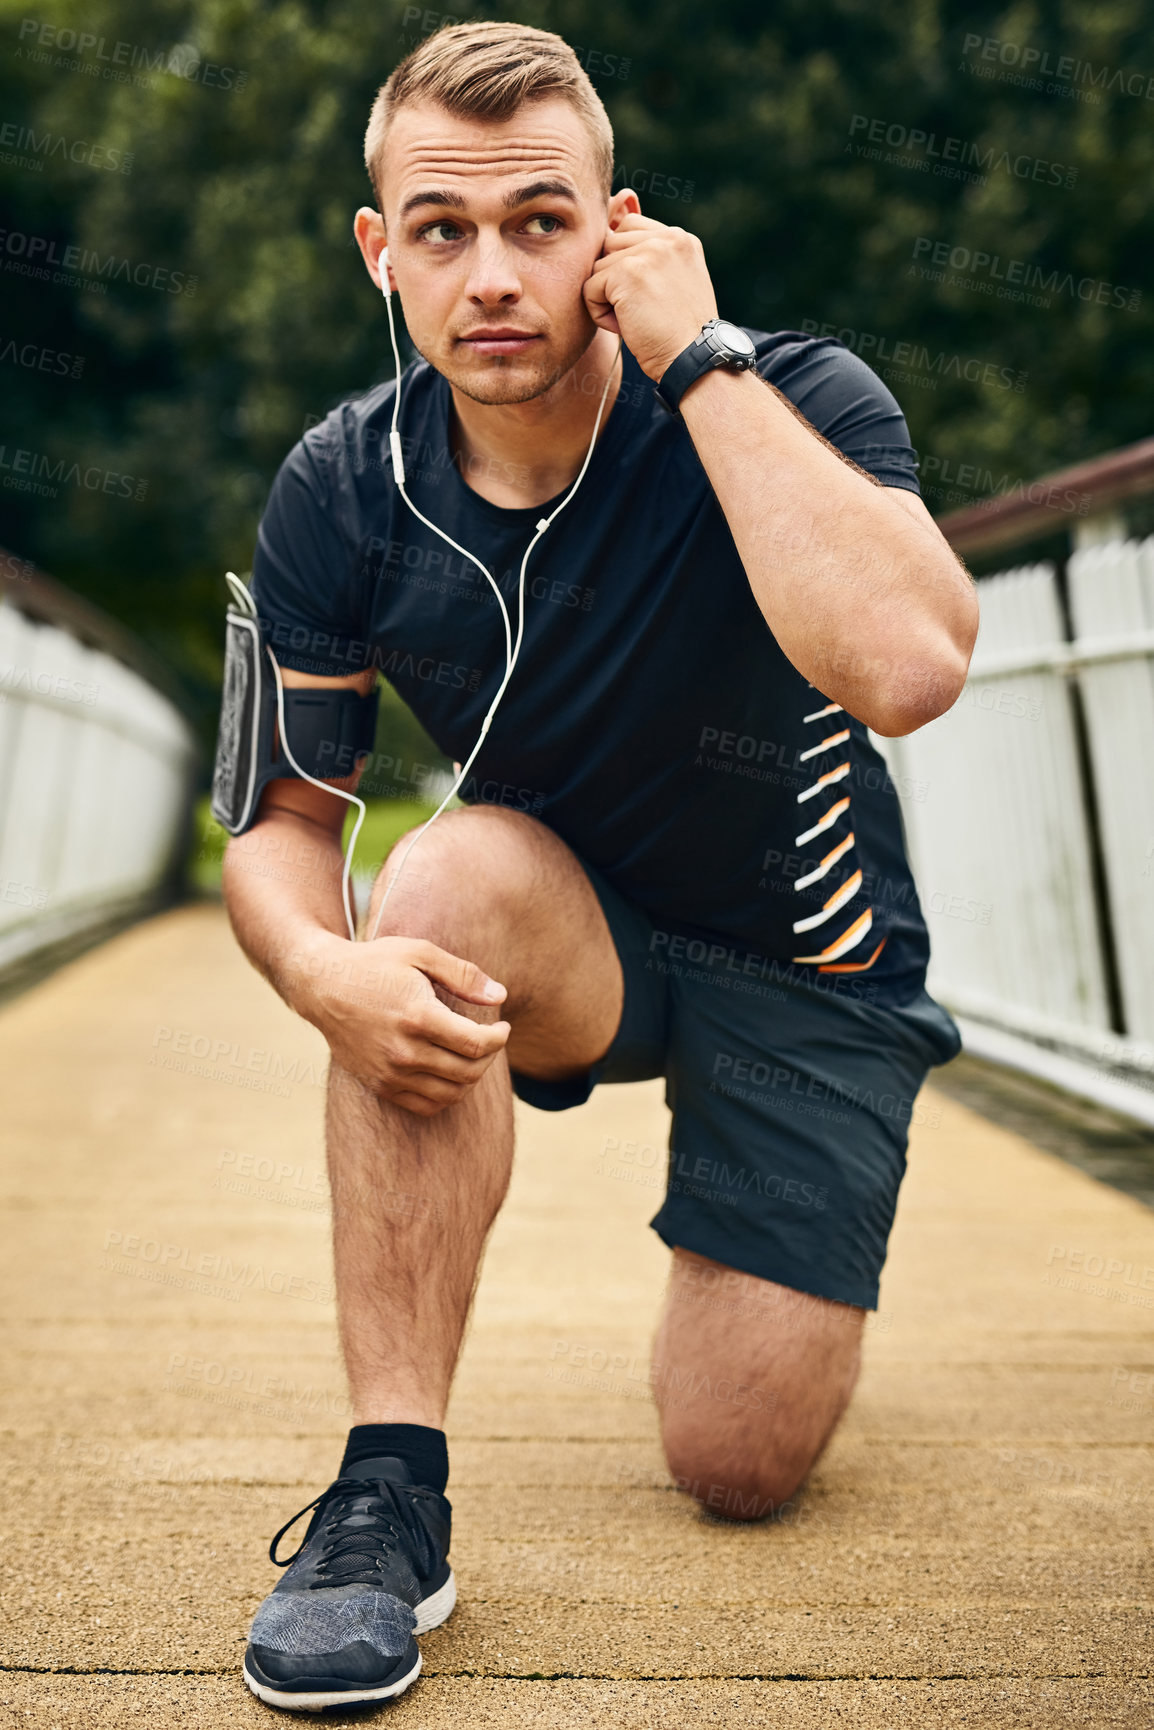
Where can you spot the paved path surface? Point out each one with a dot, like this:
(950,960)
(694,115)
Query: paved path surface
(973,1549)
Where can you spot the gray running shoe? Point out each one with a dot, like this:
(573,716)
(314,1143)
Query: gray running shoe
(372,1573)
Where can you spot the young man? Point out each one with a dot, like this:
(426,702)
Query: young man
(680,855)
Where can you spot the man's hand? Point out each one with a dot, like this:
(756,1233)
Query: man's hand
(651,287)
(375,1004)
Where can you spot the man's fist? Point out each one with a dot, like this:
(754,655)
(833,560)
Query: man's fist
(651,287)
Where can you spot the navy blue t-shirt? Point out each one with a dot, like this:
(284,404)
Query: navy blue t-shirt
(652,720)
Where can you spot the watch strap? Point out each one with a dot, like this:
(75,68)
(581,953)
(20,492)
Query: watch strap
(689,366)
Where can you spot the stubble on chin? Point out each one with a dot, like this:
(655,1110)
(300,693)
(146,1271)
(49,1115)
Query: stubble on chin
(503,382)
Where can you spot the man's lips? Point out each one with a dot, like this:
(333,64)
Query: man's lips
(499,341)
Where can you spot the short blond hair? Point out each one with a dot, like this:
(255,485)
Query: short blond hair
(487,71)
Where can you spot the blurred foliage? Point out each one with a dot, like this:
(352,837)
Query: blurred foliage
(244,121)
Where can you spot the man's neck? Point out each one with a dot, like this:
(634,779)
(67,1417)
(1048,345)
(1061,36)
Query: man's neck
(520,454)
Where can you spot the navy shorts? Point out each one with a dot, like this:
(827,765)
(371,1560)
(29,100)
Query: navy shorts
(791,1099)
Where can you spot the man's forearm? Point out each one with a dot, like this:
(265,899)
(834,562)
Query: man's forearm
(867,601)
(282,888)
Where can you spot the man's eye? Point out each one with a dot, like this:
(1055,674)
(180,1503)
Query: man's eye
(431,231)
(543,217)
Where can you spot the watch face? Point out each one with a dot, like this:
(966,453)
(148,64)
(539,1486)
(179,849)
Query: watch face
(732,337)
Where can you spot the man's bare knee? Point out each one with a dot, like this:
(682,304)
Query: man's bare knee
(733,1496)
(469,871)
(749,1479)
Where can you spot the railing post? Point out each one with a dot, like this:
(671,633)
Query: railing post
(1087,783)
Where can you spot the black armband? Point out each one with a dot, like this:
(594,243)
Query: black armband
(328,730)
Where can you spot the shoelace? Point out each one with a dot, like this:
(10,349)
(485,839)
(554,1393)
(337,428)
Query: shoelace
(352,1556)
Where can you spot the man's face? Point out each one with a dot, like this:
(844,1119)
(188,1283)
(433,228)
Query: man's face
(493,227)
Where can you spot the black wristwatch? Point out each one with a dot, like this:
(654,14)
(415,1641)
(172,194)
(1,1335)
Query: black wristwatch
(720,344)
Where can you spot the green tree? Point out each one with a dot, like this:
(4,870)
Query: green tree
(818,149)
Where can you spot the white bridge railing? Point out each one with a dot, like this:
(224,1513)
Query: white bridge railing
(95,775)
(1029,813)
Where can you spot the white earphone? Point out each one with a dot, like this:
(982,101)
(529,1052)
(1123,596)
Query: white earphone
(512,648)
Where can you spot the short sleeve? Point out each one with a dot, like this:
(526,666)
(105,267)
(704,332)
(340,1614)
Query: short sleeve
(840,395)
(303,575)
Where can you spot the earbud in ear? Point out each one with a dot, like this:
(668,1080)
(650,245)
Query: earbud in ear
(383,269)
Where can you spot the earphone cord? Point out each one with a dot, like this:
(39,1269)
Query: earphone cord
(512,648)
(346,873)
(246,605)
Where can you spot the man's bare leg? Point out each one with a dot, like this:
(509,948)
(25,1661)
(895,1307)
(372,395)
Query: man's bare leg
(414,1197)
(413,1200)
(751,1379)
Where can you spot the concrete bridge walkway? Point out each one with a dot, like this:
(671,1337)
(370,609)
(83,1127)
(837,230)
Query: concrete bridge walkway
(972,1551)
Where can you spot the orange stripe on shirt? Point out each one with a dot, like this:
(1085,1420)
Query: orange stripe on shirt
(853,966)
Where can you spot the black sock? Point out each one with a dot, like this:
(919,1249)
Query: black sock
(424,1451)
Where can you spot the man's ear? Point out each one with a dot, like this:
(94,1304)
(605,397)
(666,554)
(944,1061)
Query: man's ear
(623,203)
(369,234)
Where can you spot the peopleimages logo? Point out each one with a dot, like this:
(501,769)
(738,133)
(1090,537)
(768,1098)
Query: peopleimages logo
(650,180)
(969,482)
(120,62)
(917,359)
(1066,71)
(28,471)
(35,358)
(23,147)
(1018,279)
(955,158)
(49,261)
(60,687)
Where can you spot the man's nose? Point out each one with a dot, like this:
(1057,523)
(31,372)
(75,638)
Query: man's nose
(494,275)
